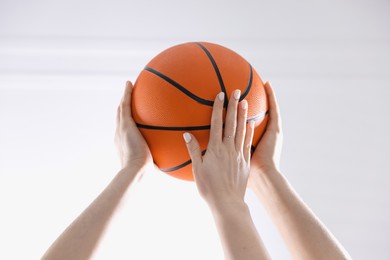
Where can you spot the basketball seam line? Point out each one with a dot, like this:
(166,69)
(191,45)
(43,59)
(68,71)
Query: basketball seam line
(248,88)
(180,165)
(195,97)
(180,87)
(219,75)
(192,128)
(216,69)
(253,148)
(200,100)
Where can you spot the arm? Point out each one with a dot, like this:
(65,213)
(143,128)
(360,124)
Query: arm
(305,235)
(80,239)
(237,232)
(221,177)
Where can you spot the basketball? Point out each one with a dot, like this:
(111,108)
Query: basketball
(175,93)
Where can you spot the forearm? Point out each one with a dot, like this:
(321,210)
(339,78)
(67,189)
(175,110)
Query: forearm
(237,232)
(305,235)
(79,240)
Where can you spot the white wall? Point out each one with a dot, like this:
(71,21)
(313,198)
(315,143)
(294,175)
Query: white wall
(63,65)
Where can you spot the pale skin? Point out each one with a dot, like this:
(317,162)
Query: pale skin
(221,185)
(81,238)
(304,234)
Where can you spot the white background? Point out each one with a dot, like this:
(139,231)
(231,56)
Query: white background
(63,66)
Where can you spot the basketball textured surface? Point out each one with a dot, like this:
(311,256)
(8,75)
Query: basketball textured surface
(175,93)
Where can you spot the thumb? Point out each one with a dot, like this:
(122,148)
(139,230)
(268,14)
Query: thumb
(193,149)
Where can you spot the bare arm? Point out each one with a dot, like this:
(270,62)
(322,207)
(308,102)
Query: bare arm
(81,238)
(238,234)
(305,235)
(221,177)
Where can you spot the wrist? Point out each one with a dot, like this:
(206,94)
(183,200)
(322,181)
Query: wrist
(264,175)
(134,165)
(132,171)
(139,163)
(226,206)
(264,169)
(268,185)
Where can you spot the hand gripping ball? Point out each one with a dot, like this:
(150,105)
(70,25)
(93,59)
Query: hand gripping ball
(175,93)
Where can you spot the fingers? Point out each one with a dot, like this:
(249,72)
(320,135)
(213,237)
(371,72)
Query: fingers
(125,105)
(216,119)
(193,149)
(275,121)
(231,117)
(241,125)
(248,140)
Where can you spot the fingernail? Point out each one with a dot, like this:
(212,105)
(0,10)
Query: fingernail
(244,104)
(252,124)
(221,96)
(236,94)
(187,137)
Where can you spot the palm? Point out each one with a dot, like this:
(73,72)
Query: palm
(267,154)
(132,147)
(137,148)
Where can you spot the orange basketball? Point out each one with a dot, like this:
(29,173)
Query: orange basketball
(175,94)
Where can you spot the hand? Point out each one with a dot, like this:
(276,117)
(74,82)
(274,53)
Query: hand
(132,148)
(266,157)
(222,175)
